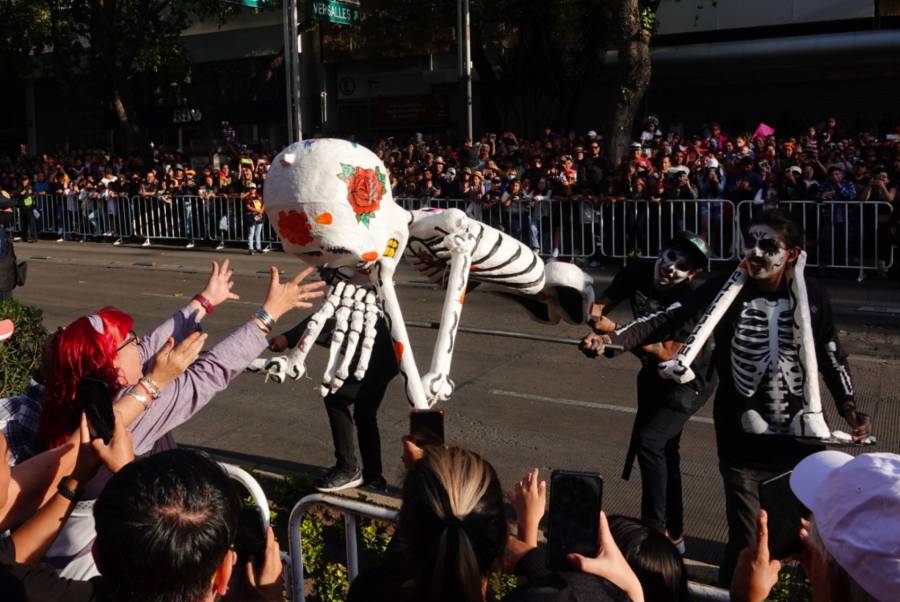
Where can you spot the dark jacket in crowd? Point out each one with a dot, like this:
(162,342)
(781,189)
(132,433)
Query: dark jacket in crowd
(7,264)
(390,583)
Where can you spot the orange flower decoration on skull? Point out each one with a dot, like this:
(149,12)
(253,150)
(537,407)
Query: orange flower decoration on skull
(365,189)
(294,227)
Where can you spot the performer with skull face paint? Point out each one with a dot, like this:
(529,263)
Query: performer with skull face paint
(664,406)
(763,410)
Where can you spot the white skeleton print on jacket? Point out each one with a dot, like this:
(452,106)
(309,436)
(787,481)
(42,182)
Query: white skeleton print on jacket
(765,357)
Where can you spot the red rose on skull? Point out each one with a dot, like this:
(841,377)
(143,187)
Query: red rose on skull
(364,190)
(294,227)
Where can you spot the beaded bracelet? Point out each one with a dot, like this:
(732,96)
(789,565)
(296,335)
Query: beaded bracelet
(151,386)
(204,302)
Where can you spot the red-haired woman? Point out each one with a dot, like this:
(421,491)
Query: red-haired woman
(153,397)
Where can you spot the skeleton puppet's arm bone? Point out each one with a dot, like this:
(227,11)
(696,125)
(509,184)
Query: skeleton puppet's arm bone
(459,243)
(679,369)
(382,276)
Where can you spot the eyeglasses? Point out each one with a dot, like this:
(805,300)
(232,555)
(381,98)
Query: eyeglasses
(131,338)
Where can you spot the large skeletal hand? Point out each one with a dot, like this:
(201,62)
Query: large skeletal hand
(356,313)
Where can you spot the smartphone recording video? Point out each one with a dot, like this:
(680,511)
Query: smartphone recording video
(97,400)
(784,512)
(574,517)
(426,427)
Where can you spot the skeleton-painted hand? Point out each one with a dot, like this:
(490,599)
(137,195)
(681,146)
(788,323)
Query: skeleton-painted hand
(357,315)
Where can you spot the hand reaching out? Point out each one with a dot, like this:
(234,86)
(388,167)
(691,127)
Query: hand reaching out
(594,344)
(755,574)
(285,296)
(171,361)
(218,288)
(610,564)
(529,499)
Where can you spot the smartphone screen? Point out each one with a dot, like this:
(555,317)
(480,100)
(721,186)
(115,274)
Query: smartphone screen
(250,536)
(574,524)
(784,512)
(97,400)
(426,427)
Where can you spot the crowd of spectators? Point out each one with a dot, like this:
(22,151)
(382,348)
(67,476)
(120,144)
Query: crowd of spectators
(523,186)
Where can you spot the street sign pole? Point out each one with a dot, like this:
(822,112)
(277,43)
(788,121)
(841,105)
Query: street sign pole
(465,58)
(292,71)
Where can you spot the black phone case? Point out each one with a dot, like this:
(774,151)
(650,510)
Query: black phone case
(250,536)
(574,517)
(97,401)
(784,512)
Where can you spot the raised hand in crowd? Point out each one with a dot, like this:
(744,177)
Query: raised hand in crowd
(34,537)
(610,564)
(218,288)
(172,360)
(755,574)
(529,499)
(282,297)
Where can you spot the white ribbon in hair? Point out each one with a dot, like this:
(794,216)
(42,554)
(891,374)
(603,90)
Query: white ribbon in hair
(97,322)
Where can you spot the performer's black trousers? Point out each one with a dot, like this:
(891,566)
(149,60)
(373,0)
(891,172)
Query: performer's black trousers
(663,409)
(365,396)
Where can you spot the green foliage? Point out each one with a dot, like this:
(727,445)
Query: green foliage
(792,586)
(20,356)
(376,536)
(500,585)
(333,584)
(312,539)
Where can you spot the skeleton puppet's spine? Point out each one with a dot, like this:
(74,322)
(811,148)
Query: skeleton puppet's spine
(679,368)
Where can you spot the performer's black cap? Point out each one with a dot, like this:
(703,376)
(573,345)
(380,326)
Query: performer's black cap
(693,245)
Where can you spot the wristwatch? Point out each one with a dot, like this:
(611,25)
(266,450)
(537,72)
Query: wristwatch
(67,492)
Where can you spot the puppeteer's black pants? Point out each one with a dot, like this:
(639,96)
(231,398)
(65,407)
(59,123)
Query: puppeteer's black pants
(664,407)
(365,396)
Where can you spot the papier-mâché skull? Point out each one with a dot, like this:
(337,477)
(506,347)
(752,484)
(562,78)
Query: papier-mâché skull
(330,202)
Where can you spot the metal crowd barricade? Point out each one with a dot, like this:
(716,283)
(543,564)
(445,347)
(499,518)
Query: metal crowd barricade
(838,234)
(351,509)
(642,227)
(553,227)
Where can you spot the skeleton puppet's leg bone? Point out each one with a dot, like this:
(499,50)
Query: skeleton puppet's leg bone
(370,320)
(382,276)
(679,368)
(810,421)
(341,323)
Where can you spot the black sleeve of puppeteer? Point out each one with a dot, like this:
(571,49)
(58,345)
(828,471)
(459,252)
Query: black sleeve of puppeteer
(830,354)
(293,335)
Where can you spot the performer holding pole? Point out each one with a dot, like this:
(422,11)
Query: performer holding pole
(774,334)
(664,406)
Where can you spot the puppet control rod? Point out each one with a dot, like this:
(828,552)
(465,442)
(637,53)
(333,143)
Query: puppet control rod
(505,333)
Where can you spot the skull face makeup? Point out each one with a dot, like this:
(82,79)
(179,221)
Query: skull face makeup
(672,267)
(765,252)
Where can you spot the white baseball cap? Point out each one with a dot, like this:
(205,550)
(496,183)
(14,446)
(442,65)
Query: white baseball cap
(856,507)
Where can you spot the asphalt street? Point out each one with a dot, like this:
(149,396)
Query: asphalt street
(520,403)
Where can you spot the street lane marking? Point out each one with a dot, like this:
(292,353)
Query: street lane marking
(583,404)
(183,298)
(879,309)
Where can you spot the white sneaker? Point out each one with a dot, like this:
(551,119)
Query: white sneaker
(117,242)
(60,239)
(267,250)
(146,243)
(555,253)
(220,246)
(190,245)
(679,544)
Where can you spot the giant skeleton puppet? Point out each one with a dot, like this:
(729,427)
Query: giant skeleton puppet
(772,349)
(331,204)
